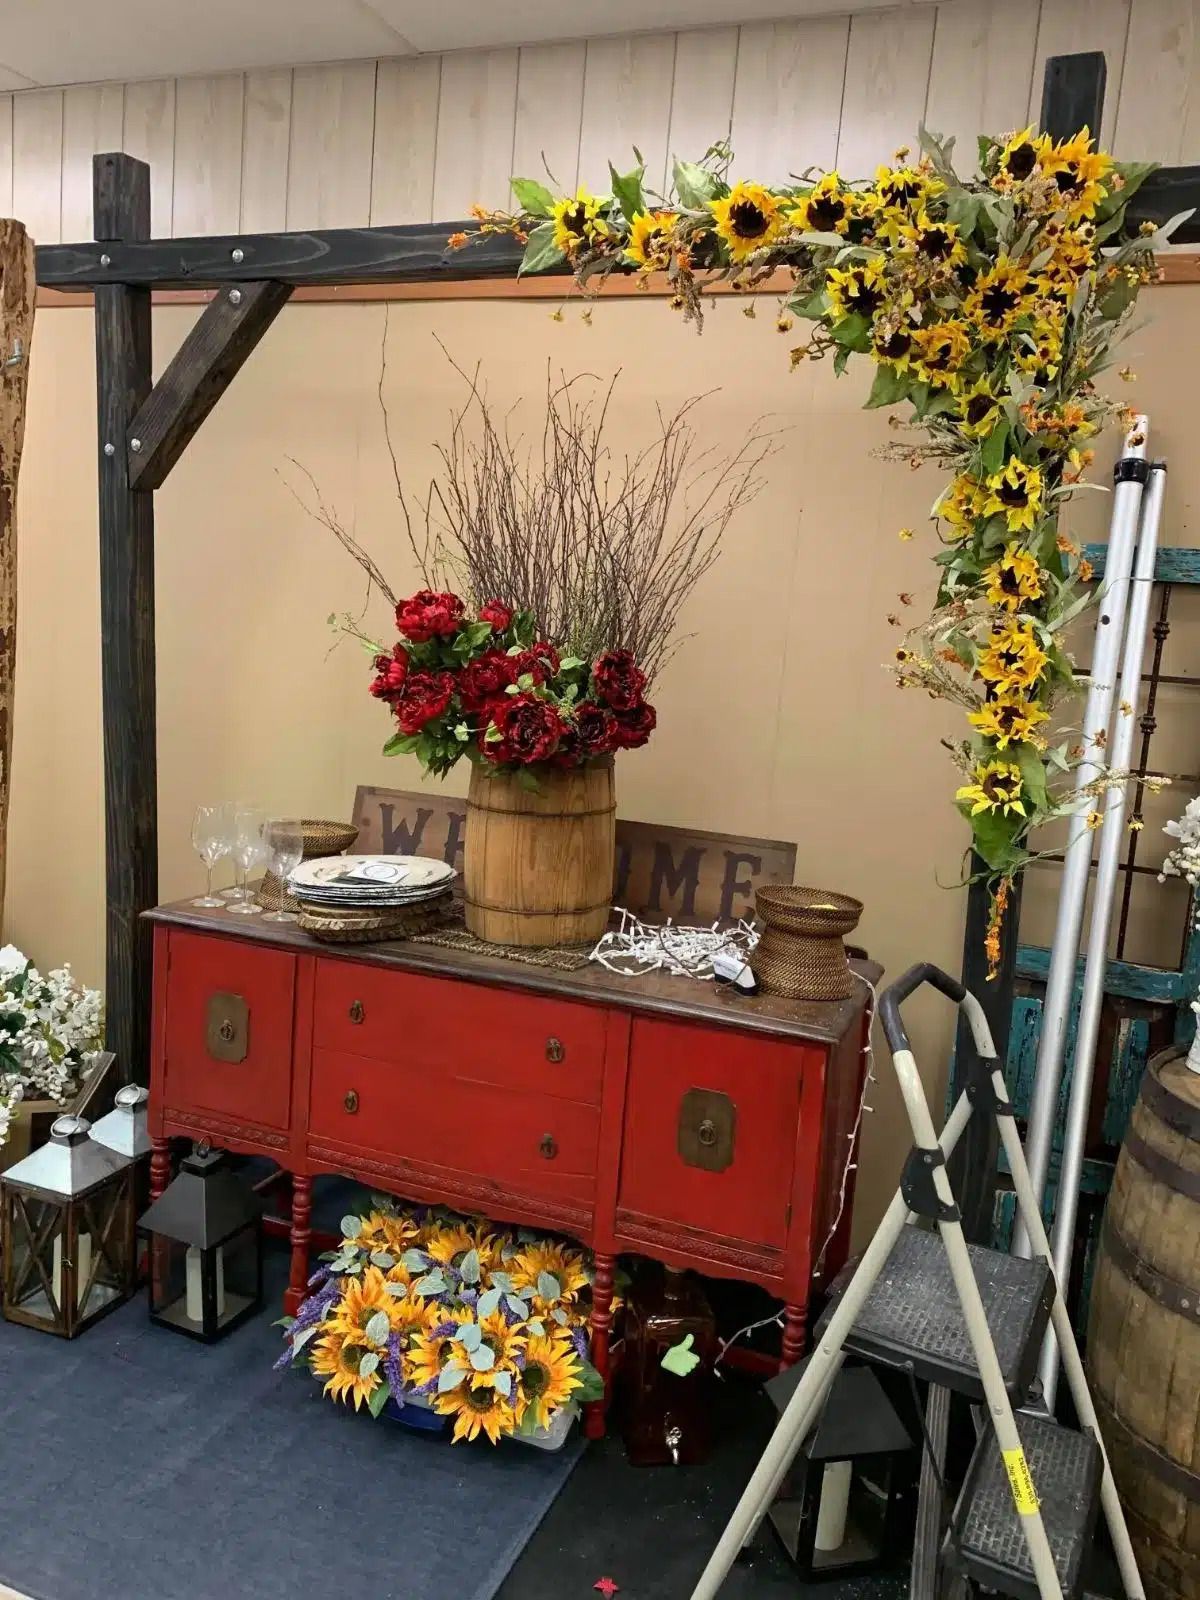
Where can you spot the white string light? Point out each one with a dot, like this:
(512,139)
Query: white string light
(636,947)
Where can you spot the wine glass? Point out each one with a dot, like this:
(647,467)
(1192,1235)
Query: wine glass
(249,850)
(285,847)
(211,842)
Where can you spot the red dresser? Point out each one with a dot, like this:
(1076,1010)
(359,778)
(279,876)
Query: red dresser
(653,1115)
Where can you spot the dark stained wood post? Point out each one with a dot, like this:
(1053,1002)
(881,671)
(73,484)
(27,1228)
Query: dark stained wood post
(121,211)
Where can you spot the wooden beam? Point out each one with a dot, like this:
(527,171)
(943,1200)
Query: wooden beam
(17,293)
(198,375)
(1073,93)
(121,202)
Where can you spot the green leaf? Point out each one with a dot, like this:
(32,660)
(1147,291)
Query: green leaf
(536,1325)
(378,1327)
(433,1283)
(450,1377)
(303,1337)
(470,636)
(559,1315)
(368,1364)
(415,1260)
(592,1385)
(680,1358)
(351,1227)
(1134,174)
(541,252)
(627,191)
(518,1307)
(534,199)
(470,1336)
(815,307)
(889,387)
(995,837)
(379,1397)
(488,1301)
(401,744)
(503,1384)
(548,1286)
(1033,775)
(985,144)
(841,361)
(528,781)
(695,185)
(468,1267)
(995,449)
(383,1259)
(1117,299)
(396,1290)
(570,663)
(483,1359)
(852,332)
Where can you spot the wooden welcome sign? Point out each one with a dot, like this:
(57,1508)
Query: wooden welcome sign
(660,872)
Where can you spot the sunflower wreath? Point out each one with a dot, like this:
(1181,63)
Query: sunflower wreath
(428,1308)
(988,308)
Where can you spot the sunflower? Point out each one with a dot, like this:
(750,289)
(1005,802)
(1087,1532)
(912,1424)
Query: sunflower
(383,1231)
(477,1406)
(856,290)
(827,208)
(1019,159)
(1013,659)
(1013,579)
(563,1263)
(449,1242)
(936,243)
(649,244)
(337,1357)
(748,219)
(577,222)
(962,503)
(979,409)
(1008,719)
(941,350)
(997,787)
(1016,491)
(892,341)
(902,192)
(997,299)
(550,1377)
(364,1294)
(432,1350)
(1074,255)
(1079,172)
(1039,353)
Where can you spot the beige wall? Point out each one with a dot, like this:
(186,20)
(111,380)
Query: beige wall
(420,139)
(776,718)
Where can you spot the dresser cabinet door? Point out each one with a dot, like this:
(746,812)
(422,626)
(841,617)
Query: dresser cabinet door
(228,1035)
(710,1132)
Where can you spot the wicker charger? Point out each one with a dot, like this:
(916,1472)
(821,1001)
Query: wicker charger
(318,839)
(366,925)
(800,954)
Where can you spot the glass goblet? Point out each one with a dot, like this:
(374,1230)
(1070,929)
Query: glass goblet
(211,842)
(249,850)
(285,847)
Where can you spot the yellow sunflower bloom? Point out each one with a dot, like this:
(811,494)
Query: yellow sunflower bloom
(827,208)
(962,503)
(430,1351)
(549,1378)
(856,290)
(903,192)
(449,1242)
(1009,719)
(892,341)
(383,1231)
(363,1296)
(1079,171)
(649,244)
(1039,353)
(1013,579)
(1016,491)
(478,1406)
(1074,255)
(937,244)
(337,1357)
(563,1263)
(1013,659)
(940,351)
(505,1340)
(997,299)
(577,222)
(1020,158)
(979,410)
(748,219)
(997,787)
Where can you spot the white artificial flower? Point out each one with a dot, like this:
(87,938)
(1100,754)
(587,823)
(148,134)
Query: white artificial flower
(12,961)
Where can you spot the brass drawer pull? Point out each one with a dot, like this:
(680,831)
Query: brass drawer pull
(556,1050)
(549,1146)
(707,1132)
(351,1101)
(357,1013)
(227,1031)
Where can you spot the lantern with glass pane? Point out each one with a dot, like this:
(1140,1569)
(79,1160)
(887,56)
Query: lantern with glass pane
(844,1507)
(205,1246)
(67,1232)
(126,1130)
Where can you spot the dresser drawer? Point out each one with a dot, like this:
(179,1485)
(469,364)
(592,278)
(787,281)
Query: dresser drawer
(537,1144)
(485,1035)
(228,1034)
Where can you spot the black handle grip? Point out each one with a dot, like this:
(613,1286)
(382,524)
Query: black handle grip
(894,996)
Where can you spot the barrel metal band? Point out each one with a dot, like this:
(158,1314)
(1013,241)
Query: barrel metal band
(1162,1167)
(1178,1114)
(1118,1435)
(1164,1291)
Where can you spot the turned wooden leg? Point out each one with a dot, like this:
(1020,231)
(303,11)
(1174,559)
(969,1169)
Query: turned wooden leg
(160,1166)
(301,1213)
(795,1334)
(602,1293)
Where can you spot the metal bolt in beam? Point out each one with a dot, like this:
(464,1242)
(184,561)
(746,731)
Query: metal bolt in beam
(135,445)
(237,255)
(110,449)
(235,297)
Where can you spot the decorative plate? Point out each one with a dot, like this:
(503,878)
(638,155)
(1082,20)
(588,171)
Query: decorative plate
(358,874)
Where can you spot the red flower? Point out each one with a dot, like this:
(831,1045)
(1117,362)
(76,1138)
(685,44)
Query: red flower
(497,613)
(425,695)
(617,680)
(390,673)
(632,729)
(540,662)
(594,730)
(427,615)
(481,680)
(530,730)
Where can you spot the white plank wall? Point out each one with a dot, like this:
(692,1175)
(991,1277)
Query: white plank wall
(420,139)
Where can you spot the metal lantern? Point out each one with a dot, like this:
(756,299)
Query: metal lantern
(206,1249)
(843,1508)
(67,1232)
(126,1130)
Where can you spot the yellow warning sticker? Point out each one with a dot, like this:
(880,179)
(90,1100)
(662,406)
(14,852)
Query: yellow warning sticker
(1020,1481)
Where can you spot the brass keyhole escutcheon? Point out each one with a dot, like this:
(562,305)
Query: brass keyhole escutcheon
(556,1050)
(351,1101)
(357,1013)
(227,1031)
(549,1146)
(707,1133)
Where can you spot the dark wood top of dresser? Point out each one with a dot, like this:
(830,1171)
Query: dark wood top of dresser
(823,1022)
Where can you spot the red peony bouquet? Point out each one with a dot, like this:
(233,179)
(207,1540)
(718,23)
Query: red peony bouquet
(489,688)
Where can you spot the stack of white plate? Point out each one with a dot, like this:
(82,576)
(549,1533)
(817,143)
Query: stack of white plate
(369,882)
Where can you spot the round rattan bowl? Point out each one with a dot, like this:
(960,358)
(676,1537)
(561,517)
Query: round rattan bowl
(320,838)
(800,954)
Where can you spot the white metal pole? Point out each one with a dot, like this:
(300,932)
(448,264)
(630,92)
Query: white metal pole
(1130,476)
(1103,896)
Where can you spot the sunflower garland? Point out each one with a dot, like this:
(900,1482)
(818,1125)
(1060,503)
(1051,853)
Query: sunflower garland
(485,1327)
(989,308)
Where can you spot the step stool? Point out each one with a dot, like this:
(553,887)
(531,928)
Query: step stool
(972,1321)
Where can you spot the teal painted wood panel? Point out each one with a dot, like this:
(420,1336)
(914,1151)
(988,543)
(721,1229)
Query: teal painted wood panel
(1170,566)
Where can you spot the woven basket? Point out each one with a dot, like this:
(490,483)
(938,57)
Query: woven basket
(349,925)
(800,954)
(318,839)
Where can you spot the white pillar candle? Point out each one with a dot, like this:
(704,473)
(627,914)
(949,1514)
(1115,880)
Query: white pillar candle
(835,1502)
(195,1293)
(83,1268)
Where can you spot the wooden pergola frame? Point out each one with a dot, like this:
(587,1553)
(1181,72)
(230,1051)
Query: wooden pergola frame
(144,427)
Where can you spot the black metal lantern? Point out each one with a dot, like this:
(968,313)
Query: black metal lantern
(68,1232)
(205,1245)
(843,1507)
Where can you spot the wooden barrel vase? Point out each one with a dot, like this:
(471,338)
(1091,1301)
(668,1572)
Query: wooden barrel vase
(538,864)
(1144,1330)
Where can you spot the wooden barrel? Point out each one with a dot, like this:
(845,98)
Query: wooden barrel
(1144,1332)
(538,864)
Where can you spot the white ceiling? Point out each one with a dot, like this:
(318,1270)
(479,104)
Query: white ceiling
(85,41)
